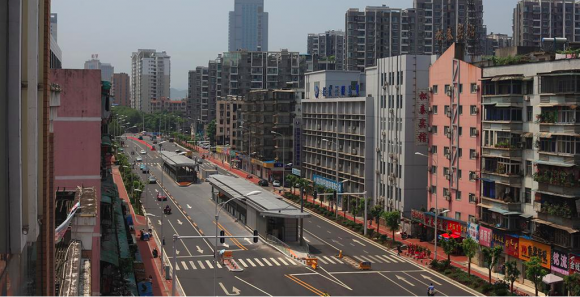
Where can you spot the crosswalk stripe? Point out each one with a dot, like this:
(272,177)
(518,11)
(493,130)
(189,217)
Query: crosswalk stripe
(360,259)
(192,264)
(329,260)
(258,261)
(366,259)
(218,265)
(393,258)
(338,260)
(283,262)
(251,263)
(274,261)
(201,264)
(387,260)
(321,260)
(242,262)
(184,265)
(177,267)
(375,259)
(208,264)
(292,262)
(266,261)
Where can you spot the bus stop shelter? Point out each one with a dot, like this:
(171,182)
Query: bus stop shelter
(266,212)
(179,167)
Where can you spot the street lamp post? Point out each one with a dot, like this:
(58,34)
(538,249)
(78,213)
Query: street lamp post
(436,197)
(218,209)
(139,190)
(283,157)
(336,172)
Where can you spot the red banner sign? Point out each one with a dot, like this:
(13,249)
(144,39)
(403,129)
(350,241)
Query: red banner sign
(512,246)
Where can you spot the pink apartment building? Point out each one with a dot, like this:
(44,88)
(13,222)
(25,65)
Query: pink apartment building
(77,151)
(455,142)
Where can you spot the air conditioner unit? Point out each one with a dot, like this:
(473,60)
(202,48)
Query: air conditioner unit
(378,149)
(391,111)
(391,155)
(354,152)
(447,197)
(448,113)
(340,147)
(476,88)
(448,156)
(430,89)
(377,172)
(391,178)
(447,176)
(429,169)
(429,129)
(475,109)
(384,133)
(397,87)
(474,155)
(527,97)
(449,92)
(448,134)
(319,127)
(476,132)
(473,175)
(429,150)
(430,109)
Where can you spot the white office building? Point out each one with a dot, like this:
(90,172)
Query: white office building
(150,78)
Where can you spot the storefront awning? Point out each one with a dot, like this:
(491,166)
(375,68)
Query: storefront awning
(507,77)
(565,228)
(554,164)
(499,210)
(526,216)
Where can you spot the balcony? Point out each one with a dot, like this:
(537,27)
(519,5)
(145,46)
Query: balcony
(552,233)
(560,181)
(562,120)
(501,144)
(503,171)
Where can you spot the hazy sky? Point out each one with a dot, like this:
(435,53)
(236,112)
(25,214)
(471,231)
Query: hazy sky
(195,31)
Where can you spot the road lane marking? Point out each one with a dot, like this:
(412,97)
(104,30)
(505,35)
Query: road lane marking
(366,259)
(305,285)
(266,261)
(251,263)
(177,267)
(393,258)
(200,264)
(178,234)
(282,260)
(385,258)
(375,259)
(243,263)
(328,259)
(208,262)
(358,258)
(247,283)
(426,284)
(218,265)
(184,265)
(306,239)
(192,264)
(321,260)
(258,261)
(292,261)
(396,283)
(274,261)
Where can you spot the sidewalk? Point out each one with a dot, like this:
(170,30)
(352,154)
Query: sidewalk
(457,261)
(161,287)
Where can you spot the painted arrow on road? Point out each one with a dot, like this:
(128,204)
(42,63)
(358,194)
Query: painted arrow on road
(358,242)
(159,222)
(177,252)
(404,280)
(235,291)
(179,222)
(248,240)
(199,250)
(226,245)
(429,278)
(188,206)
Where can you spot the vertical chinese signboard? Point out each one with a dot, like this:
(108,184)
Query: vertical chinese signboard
(473,231)
(485,236)
(421,118)
(498,239)
(574,263)
(512,245)
(560,261)
(529,249)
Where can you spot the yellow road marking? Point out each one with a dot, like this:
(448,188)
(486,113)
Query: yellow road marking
(305,285)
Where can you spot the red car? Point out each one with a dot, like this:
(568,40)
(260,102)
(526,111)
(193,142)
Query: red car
(161,197)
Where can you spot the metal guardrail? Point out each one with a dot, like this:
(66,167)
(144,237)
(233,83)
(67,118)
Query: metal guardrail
(285,248)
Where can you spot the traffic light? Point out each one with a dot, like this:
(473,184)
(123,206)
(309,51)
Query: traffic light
(315,195)
(255,236)
(222,238)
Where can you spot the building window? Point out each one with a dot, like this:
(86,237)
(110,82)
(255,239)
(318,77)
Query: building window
(447,89)
(434,109)
(529,168)
(435,89)
(459,173)
(458,216)
(460,109)
(434,129)
(434,169)
(461,88)
(529,143)
(473,109)
(472,154)
(460,152)
(528,196)
(447,110)
(434,149)
(471,175)
(460,131)
(434,190)
(446,192)
(458,196)
(473,88)
(473,132)
(472,198)
(530,113)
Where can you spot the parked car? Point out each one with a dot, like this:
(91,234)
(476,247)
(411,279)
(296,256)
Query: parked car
(139,159)
(276,183)
(143,152)
(161,197)
(145,169)
(152,179)
(263,183)
(142,166)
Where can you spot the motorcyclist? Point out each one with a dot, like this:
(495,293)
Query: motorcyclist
(167,208)
(431,290)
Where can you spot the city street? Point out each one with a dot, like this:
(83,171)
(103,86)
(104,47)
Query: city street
(267,271)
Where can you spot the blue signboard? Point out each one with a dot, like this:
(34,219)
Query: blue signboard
(337,91)
(327,183)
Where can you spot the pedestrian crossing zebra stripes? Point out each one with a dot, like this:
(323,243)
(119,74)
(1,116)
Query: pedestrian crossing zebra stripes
(280,262)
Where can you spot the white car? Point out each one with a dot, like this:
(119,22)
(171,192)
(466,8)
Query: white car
(139,159)
(276,183)
(143,152)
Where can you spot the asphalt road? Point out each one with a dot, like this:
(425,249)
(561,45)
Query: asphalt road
(267,271)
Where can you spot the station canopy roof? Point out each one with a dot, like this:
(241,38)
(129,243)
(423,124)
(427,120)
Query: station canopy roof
(266,203)
(177,160)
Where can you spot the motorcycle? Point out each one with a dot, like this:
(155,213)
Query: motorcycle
(167,211)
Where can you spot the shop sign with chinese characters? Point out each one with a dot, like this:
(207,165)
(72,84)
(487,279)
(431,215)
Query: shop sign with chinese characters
(530,248)
(560,262)
(498,239)
(574,263)
(418,215)
(454,227)
(512,246)
(485,236)
(422,118)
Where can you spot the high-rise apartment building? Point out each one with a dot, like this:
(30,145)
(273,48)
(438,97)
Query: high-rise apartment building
(27,109)
(494,41)
(248,26)
(107,70)
(150,78)
(328,46)
(454,134)
(121,89)
(400,86)
(537,19)
(167,105)
(55,51)
(227,120)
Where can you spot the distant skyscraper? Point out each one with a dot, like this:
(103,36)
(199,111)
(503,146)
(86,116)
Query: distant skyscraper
(248,27)
(150,78)
(326,45)
(121,89)
(107,69)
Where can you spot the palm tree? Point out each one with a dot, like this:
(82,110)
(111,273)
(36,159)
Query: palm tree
(292,179)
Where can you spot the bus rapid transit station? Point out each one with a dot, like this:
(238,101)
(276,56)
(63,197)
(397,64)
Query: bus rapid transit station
(179,167)
(265,212)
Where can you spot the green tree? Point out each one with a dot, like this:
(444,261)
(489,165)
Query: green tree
(572,283)
(449,245)
(470,247)
(490,257)
(292,179)
(377,211)
(392,221)
(535,272)
(511,273)
(211,129)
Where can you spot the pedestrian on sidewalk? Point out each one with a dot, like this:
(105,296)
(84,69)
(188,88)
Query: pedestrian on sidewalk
(155,253)
(150,279)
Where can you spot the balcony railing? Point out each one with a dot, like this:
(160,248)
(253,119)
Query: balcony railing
(556,178)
